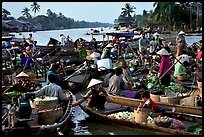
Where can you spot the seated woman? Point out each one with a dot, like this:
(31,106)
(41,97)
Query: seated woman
(96,95)
(147,102)
(180,67)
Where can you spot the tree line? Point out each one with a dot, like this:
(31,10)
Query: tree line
(51,20)
(172,15)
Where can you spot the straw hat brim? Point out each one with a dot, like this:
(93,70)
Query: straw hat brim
(163,52)
(95,55)
(94,82)
(22,74)
(182,33)
(109,46)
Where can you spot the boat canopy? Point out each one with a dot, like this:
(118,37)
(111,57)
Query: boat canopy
(115,34)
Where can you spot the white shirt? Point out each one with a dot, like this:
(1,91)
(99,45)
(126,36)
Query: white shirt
(52,90)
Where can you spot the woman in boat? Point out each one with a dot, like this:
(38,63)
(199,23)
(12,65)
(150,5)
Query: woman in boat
(165,64)
(180,67)
(96,95)
(107,51)
(181,36)
(147,102)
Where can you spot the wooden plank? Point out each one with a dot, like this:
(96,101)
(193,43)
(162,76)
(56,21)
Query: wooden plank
(135,102)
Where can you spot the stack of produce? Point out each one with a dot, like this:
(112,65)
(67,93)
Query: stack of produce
(125,115)
(162,121)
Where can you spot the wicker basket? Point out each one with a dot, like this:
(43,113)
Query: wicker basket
(183,78)
(155,98)
(189,101)
(49,116)
(170,99)
(44,104)
(141,116)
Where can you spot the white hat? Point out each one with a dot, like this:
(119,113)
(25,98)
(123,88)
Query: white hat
(181,33)
(94,82)
(122,42)
(22,74)
(109,46)
(184,57)
(95,55)
(115,44)
(156,34)
(163,52)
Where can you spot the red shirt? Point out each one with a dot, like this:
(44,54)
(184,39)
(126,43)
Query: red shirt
(149,102)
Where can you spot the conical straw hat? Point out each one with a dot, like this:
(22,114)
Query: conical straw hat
(95,55)
(94,82)
(22,74)
(156,34)
(163,52)
(181,33)
(109,46)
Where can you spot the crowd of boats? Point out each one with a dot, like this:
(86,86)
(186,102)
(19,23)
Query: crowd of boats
(180,99)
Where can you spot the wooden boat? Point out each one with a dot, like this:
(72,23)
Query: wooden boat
(31,126)
(135,102)
(111,108)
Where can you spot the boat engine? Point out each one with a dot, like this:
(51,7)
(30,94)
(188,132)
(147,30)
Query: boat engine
(25,110)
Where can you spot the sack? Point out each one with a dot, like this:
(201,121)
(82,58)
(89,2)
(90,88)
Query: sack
(177,124)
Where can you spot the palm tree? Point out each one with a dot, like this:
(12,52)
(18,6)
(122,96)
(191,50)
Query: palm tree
(5,13)
(35,7)
(127,12)
(26,13)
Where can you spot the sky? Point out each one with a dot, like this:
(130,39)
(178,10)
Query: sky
(105,12)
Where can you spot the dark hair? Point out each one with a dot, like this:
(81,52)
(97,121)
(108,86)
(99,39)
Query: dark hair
(167,48)
(118,71)
(145,94)
(52,78)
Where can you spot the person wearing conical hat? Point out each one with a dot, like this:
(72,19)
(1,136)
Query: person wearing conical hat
(165,64)
(181,36)
(107,51)
(96,95)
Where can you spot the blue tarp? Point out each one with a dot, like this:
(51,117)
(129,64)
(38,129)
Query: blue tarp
(121,34)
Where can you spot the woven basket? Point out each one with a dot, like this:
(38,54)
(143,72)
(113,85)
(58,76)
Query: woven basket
(49,116)
(189,101)
(45,104)
(183,78)
(155,98)
(141,116)
(171,100)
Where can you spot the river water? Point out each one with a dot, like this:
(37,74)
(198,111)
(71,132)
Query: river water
(81,123)
(42,37)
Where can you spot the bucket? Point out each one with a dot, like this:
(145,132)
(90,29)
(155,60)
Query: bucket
(155,98)
(141,116)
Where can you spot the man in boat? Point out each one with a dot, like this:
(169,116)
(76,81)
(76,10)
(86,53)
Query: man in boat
(143,44)
(62,40)
(116,83)
(96,95)
(53,69)
(147,102)
(52,90)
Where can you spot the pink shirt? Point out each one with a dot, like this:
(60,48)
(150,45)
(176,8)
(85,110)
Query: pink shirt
(199,55)
(165,64)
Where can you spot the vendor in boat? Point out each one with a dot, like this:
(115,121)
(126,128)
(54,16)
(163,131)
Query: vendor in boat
(116,83)
(181,36)
(164,67)
(180,69)
(52,90)
(127,76)
(23,83)
(53,69)
(147,102)
(107,51)
(143,44)
(96,95)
